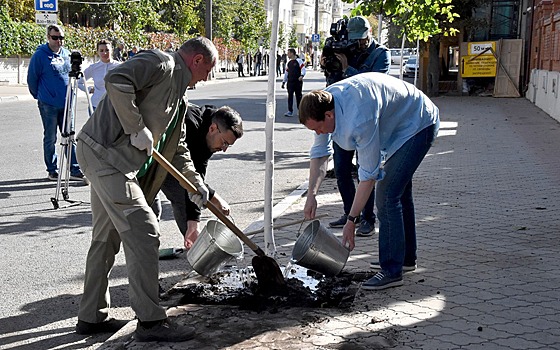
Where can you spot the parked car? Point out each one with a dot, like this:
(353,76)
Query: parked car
(396,57)
(410,66)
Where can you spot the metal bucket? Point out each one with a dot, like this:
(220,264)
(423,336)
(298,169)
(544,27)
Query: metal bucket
(213,248)
(320,250)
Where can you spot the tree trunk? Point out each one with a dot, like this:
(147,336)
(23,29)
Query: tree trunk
(433,66)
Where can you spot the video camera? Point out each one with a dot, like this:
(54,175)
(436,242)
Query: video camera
(338,42)
(76,60)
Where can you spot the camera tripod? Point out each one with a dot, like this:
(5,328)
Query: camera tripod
(68,136)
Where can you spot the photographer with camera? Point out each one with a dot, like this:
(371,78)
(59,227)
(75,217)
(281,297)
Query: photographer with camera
(47,80)
(351,51)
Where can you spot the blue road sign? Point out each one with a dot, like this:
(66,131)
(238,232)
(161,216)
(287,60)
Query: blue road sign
(315,38)
(46,5)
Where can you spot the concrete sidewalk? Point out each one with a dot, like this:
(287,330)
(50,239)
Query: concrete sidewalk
(487,202)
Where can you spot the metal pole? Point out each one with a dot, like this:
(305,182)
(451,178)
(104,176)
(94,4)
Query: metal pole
(379,28)
(208,19)
(316,45)
(402,53)
(417,60)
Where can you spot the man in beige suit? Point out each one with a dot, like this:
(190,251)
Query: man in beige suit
(142,97)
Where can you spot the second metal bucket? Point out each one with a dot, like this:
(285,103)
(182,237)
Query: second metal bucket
(320,250)
(213,248)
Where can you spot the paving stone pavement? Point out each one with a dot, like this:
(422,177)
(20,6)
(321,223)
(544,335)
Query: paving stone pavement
(487,217)
(487,204)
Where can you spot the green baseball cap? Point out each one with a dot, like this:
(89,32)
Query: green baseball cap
(358,28)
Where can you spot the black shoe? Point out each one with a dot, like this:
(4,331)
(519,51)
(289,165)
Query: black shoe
(340,222)
(366,229)
(53,176)
(110,325)
(165,330)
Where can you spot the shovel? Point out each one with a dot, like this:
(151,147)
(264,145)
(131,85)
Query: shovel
(270,277)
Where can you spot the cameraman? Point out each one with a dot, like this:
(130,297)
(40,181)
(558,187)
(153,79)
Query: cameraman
(370,56)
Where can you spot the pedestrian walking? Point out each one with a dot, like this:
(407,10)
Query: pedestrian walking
(240,62)
(258,62)
(119,54)
(278,64)
(295,71)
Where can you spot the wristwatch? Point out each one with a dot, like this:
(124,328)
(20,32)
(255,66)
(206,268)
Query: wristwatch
(354,219)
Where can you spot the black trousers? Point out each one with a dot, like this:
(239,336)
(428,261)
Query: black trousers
(294,88)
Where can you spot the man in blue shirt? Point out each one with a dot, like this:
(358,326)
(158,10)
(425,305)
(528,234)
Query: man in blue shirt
(392,125)
(369,57)
(47,80)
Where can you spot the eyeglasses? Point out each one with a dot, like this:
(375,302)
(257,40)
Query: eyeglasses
(57,37)
(225,144)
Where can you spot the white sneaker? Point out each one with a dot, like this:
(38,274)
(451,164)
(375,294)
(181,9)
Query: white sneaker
(288,114)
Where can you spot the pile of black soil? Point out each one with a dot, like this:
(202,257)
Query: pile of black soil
(308,289)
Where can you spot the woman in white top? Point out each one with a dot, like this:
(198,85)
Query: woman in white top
(98,70)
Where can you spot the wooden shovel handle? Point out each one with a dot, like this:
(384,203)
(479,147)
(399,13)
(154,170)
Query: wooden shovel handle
(190,187)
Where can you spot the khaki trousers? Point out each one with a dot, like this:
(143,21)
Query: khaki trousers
(119,214)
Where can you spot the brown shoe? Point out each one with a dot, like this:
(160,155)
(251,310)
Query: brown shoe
(165,330)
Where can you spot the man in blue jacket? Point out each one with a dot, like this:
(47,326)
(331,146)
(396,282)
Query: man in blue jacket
(47,80)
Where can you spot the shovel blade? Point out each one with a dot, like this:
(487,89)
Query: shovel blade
(270,277)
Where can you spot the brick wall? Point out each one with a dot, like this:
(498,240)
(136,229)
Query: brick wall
(545,48)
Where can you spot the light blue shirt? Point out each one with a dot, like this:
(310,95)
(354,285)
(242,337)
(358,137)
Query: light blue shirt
(375,114)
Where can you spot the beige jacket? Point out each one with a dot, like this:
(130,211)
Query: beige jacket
(144,91)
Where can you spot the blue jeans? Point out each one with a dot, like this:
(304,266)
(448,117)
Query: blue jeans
(343,170)
(52,118)
(395,207)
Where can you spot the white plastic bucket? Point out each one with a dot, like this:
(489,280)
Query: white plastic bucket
(320,250)
(214,247)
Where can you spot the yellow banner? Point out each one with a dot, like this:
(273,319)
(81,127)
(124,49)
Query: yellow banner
(475,67)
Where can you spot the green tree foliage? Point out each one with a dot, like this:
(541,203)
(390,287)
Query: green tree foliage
(239,20)
(292,39)
(24,10)
(418,19)
(282,40)
(7,30)
(144,23)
